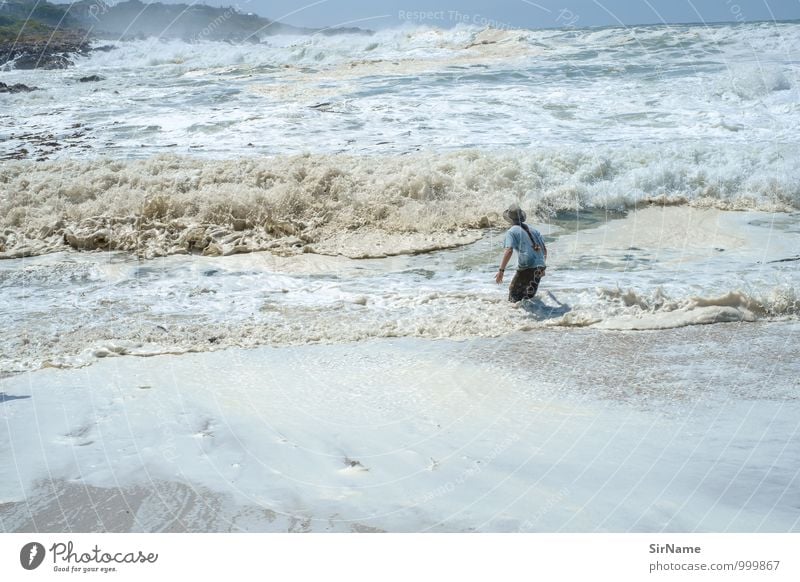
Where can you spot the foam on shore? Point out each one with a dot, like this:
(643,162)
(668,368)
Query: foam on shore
(658,268)
(414,435)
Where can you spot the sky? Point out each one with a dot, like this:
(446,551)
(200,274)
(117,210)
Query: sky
(513,13)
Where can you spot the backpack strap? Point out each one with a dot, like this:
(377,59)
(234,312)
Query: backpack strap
(524,227)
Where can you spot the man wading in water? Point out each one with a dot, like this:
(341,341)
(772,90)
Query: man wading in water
(529,244)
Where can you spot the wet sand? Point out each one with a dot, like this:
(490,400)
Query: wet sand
(691,429)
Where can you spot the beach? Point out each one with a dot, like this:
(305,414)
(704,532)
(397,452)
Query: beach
(613,431)
(252,288)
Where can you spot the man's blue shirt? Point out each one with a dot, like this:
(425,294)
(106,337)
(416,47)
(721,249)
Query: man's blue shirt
(518,239)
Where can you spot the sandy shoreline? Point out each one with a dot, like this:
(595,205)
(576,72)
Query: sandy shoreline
(667,431)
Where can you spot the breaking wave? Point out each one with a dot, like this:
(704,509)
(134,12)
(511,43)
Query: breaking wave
(424,314)
(725,43)
(328,203)
(655,310)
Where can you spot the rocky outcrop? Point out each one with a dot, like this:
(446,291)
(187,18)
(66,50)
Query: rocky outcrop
(44,53)
(16,88)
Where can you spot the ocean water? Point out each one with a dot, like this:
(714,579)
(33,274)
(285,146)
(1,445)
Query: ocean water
(410,89)
(411,130)
(326,212)
(658,268)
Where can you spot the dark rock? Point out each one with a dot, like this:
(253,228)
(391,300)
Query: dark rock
(240,224)
(44,51)
(91,79)
(43,60)
(16,88)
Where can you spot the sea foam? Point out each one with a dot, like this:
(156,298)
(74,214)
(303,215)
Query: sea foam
(328,203)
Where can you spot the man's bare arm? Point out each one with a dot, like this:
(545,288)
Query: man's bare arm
(506,257)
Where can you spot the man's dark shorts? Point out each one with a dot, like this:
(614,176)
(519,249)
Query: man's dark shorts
(525,284)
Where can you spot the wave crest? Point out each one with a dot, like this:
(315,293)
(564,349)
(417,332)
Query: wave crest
(171,204)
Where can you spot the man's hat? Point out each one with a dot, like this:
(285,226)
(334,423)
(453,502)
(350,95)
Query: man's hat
(514,214)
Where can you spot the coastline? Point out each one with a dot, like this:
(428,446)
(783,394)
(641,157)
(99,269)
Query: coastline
(458,437)
(251,286)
